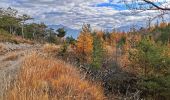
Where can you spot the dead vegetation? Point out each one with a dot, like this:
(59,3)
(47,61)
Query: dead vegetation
(45,79)
(11,57)
(50,48)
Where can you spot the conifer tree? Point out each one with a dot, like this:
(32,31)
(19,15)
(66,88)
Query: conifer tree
(98,52)
(85,45)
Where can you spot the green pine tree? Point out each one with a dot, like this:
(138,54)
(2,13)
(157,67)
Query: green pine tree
(98,52)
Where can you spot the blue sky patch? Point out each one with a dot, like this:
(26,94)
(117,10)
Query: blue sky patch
(122,6)
(114,6)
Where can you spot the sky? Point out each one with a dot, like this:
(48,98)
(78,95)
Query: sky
(101,14)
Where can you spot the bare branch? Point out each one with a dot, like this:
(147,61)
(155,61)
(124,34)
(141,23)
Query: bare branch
(158,7)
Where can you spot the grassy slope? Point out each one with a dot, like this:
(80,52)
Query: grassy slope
(43,78)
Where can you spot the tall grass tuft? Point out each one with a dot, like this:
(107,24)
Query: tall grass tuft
(50,48)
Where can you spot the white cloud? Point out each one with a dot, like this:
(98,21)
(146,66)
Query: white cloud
(73,13)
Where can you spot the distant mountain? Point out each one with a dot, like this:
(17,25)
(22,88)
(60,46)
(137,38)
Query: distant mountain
(128,28)
(70,32)
(74,33)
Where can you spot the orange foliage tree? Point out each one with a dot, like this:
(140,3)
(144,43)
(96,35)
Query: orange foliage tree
(132,40)
(84,45)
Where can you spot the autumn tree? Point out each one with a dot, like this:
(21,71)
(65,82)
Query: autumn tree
(85,44)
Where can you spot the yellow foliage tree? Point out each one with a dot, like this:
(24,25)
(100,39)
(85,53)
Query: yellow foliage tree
(84,45)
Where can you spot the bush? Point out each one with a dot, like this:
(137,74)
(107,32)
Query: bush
(63,48)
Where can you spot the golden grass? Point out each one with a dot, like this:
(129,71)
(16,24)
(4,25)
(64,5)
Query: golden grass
(19,39)
(11,57)
(50,48)
(45,79)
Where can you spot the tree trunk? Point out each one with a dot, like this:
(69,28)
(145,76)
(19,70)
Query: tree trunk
(10,29)
(23,30)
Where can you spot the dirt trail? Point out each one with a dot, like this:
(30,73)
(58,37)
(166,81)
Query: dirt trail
(10,62)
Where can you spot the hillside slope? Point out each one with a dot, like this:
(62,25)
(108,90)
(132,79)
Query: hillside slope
(11,57)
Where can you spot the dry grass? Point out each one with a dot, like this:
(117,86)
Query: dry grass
(11,57)
(19,39)
(46,79)
(50,48)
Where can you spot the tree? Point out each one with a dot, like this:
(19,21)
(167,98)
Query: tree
(137,6)
(61,32)
(51,35)
(84,46)
(147,4)
(9,20)
(155,5)
(150,61)
(98,52)
(24,18)
(151,57)
(161,32)
(35,31)
(71,40)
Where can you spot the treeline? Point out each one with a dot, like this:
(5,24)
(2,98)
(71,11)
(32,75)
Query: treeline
(139,58)
(20,25)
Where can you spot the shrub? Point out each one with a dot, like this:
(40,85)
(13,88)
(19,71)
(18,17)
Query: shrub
(63,48)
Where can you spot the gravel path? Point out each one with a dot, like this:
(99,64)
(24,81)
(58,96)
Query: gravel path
(10,67)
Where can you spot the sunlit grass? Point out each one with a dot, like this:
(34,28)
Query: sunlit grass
(46,79)
(50,48)
(11,57)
